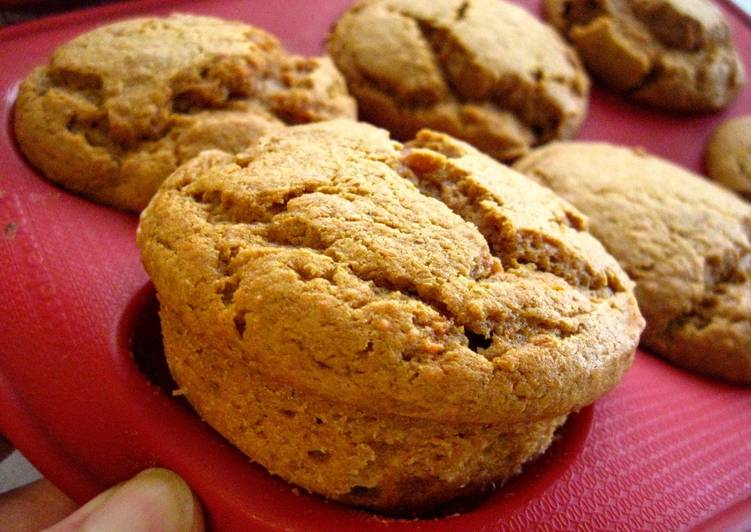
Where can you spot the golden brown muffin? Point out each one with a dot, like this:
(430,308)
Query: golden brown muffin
(683,240)
(373,343)
(671,54)
(117,109)
(728,155)
(484,71)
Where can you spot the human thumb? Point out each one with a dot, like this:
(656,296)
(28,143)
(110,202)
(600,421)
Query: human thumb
(155,500)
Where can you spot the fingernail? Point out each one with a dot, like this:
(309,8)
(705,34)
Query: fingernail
(154,500)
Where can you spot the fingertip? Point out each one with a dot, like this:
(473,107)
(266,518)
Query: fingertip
(156,499)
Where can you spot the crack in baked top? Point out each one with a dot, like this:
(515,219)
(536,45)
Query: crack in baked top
(318,258)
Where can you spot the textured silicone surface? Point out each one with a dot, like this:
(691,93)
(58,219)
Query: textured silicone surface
(664,450)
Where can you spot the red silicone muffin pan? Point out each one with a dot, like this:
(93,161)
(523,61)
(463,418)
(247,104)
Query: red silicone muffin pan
(84,391)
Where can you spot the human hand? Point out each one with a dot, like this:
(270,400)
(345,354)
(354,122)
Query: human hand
(155,500)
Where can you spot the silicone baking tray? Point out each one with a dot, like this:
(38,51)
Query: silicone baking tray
(85,395)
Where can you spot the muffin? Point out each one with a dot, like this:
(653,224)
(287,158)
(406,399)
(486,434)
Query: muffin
(670,54)
(728,155)
(485,71)
(117,109)
(390,326)
(684,241)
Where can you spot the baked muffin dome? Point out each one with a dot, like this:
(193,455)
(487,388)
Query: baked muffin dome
(485,71)
(117,109)
(387,325)
(670,54)
(728,155)
(685,242)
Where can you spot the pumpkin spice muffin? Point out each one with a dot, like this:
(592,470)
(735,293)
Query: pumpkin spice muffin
(485,71)
(728,155)
(670,54)
(684,241)
(389,326)
(117,109)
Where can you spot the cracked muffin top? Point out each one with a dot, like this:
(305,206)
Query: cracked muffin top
(671,54)
(424,280)
(117,109)
(484,71)
(684,241)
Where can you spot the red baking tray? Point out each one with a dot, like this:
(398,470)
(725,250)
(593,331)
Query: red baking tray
(85,395)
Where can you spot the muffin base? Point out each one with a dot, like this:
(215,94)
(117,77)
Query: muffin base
(350,453)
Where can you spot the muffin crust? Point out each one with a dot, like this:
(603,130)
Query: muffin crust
(117,109)
(484,71)
(313,273)
(684,241)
